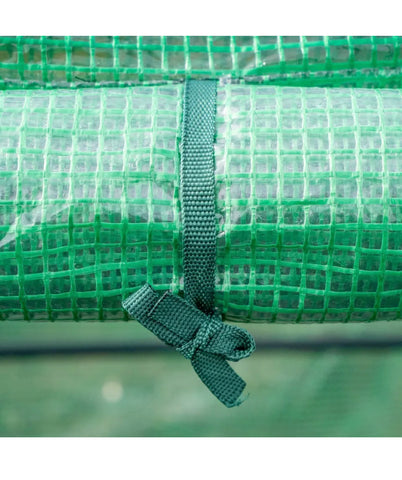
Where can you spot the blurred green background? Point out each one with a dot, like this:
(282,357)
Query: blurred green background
(292,393)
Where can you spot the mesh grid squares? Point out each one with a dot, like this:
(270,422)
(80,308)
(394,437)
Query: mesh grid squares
(309,202)
(311,228)
(88,205)
(50,61)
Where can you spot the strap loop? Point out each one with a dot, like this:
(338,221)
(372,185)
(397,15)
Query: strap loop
(191,324)
(204,339)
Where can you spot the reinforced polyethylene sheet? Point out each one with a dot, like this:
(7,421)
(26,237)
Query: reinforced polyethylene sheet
(308,188)
(309,203)
(336,61)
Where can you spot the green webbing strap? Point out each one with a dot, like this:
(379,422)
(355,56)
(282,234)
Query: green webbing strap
(204,339)
(191,324)
(197,180)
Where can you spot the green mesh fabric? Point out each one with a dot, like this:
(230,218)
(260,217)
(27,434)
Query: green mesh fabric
(48,61)
(309,199)
(308,191)
(88,199)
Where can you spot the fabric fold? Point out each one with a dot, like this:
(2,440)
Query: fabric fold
(204,339)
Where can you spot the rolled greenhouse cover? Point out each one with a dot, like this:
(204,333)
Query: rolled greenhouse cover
(335,61)
(308,201)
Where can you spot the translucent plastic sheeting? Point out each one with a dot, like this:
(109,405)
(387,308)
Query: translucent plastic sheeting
(348,61)
(88,204)
(309,201)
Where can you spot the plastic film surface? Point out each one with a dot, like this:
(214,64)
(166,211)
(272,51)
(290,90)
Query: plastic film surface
(49,61)
(309,204)
(308,191)
(88,202)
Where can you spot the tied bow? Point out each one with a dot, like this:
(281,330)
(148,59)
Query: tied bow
(202,338)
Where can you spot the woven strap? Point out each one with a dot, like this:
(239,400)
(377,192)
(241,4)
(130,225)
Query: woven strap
(191,324)
(204,339)
(197,180)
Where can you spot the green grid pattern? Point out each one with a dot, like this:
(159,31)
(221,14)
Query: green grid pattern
(309,202)
(88,199)
(347,61)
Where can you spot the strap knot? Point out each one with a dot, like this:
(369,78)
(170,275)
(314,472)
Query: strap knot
(204,339)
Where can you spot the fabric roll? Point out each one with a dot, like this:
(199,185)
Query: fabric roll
(308,201)
(95,61)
